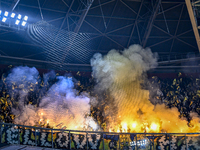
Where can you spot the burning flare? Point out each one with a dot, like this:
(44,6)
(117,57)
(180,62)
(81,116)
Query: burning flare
(121,75)
(60,107)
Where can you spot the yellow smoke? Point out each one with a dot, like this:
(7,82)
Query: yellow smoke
(122,73)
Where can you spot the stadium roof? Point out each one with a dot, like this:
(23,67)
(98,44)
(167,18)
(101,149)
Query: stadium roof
(64,34)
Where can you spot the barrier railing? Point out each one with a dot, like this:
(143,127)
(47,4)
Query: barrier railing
(76,139)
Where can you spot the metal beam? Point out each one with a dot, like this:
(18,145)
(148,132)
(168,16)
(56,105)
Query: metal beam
(129,8)
(105,3)
(58,34)
(138,34)
(170,8)
(178,61)
(36,7)
(177,67)
(150,23)
(104,34)
(193,22)
(65,3)
(161,42)
(108,22)
(14,5)
(120,28)
(176,29)
(77,28)
(109,17)
(186,43)
(195,2)
(135,24)
(82,17)
(42,61)
(65,17)
(126,18)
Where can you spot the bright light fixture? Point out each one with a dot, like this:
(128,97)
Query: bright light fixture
(23,23)
(17,22)
(12,15)
(4,19)
(18,19)
(25,18)
(6,14)
(19,16)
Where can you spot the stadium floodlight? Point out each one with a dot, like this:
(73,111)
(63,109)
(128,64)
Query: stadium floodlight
(13,20)
(23,23)
(17,22)
(25,18)
(12,15)
(19,16)
(6,14)
(4,19)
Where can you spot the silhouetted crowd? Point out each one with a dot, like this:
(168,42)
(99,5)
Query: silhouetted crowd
(182,92)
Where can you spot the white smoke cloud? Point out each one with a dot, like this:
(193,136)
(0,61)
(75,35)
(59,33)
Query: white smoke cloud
(60,105)
(19,83)
(121,74)
(117,66)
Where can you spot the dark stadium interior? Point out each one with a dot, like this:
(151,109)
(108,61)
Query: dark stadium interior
(111,24)
(64,36)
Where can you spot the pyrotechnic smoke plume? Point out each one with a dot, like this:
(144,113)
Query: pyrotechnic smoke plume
(19,83)
(118,74)
(60,104)
(121,74)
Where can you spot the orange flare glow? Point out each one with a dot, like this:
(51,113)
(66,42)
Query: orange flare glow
(124,127)
(154,126)
(118,130)
(134,125)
